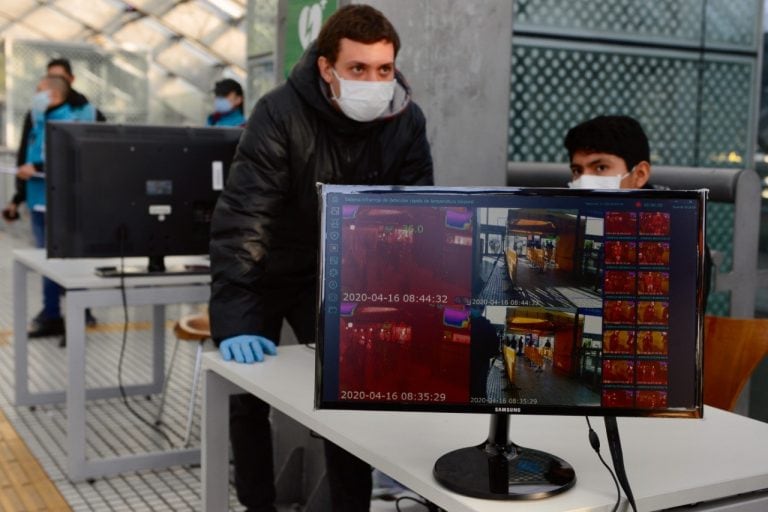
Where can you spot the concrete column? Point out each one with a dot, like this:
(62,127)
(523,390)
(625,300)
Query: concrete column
(456,56)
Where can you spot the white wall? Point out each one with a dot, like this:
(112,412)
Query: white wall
(456,56)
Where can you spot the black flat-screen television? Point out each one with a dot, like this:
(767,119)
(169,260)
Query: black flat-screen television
(118,190)
(510,301)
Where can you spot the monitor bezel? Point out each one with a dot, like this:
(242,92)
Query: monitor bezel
(696,411)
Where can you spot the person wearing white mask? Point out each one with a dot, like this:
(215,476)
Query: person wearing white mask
(227,104)
(612,152)
(608,152)
(344,116)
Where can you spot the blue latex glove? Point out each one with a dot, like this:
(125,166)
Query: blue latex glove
(246,348)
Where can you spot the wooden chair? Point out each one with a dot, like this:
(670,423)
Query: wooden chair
(193,327)
(733,347)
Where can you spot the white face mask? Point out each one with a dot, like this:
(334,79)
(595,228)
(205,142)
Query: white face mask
(590,181)
(40,101)
(363,100)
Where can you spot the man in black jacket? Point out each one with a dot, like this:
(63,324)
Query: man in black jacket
(56,67)
(43,325)
(344,116)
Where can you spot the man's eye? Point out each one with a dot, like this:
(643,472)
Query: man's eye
(357,69)
(601,168)
(385,70)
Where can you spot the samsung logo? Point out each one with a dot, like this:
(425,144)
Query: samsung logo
(507,409)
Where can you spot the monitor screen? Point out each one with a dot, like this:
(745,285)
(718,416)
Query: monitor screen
(130,190)
(520,301)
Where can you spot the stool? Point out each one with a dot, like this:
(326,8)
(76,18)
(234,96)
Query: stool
(194,327)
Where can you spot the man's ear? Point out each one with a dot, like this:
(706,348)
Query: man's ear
(324,66)
(641,174)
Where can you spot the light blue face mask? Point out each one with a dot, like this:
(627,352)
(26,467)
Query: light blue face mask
(40,102)
(221,104)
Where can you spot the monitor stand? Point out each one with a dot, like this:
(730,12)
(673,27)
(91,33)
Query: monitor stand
(156,267)
(499,469)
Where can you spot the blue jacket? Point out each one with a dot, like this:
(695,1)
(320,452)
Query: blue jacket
(232,118)
(36,144)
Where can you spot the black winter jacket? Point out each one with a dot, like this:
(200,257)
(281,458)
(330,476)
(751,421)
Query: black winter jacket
(264,231)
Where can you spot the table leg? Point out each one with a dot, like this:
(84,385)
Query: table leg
(75,331)
(215,441)
(158,347)
(20,340)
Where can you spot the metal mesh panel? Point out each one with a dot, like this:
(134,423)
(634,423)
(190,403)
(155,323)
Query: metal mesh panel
(720,238)
(115,81)
(554,88)
(728,23)
(695,109)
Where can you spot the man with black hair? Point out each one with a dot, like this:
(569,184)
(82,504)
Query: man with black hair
(48,104)
(58,67)
(609,152)
(227,104)
(612,152)
(345,115)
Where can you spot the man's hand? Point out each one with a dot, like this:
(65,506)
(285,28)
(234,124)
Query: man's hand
(26,171)
(11,212)
(247,348)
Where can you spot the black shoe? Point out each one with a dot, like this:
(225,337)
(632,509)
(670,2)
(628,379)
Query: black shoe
(46,327)
(90,320)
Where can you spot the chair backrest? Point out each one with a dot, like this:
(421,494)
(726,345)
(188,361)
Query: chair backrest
(733,347)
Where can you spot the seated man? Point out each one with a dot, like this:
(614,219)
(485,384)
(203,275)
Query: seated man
(612,152)
(609,152)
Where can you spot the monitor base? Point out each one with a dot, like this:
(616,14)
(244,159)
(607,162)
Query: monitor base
(140,271)
(502,470)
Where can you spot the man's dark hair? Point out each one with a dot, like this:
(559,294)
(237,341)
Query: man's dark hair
(360,23)
(62,62)
(226,86)
(621,136)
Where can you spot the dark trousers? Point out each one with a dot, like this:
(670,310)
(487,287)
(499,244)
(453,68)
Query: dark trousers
(51,290)
(349,478)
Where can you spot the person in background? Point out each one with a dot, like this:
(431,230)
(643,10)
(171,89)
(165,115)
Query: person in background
(227,104)
(59,67)
(612,152)
(344,116)
(48,104)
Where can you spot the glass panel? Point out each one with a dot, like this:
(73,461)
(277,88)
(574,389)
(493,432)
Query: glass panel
(187,61)
(192,20)
(15,8)
(95,13)
(145,32)
(233,9)
(53,24)
(153,6)
(231,45)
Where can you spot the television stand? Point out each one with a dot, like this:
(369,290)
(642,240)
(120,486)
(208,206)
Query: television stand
(499,469)
(156,267)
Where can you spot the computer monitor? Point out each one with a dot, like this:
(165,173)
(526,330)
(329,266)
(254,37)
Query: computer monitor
(129,190)
(510,301)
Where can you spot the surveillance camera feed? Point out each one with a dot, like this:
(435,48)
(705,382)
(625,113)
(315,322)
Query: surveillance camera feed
(497,300)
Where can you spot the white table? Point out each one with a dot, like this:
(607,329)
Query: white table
(670,462)
(85,289)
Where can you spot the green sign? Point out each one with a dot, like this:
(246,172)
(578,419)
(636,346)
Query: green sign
(302,25)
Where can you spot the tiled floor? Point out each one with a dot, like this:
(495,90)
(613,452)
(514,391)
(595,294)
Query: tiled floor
(111,427)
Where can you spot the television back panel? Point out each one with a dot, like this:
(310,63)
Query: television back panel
(134,190)
(551,301)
